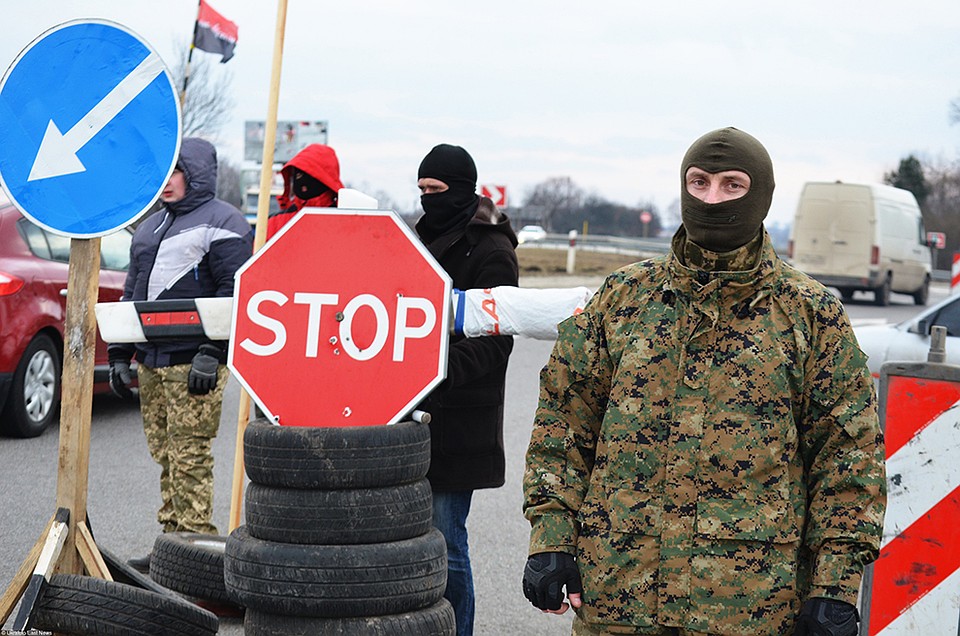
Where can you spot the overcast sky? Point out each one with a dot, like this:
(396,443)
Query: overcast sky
(608,93)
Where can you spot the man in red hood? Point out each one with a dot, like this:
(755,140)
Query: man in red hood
(310,180)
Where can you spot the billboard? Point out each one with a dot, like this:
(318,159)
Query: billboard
(292,137)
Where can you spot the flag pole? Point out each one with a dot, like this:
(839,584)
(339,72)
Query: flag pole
(263,207)
(186,70)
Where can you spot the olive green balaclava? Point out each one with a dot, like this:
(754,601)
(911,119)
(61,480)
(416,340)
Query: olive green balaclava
(723,227)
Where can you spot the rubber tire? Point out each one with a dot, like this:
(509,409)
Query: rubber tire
(73,604)
(190,563)
(336,581)
(922,295)
(336,458)
(881,294)
(338,517)
(39,371)
(436,620)
(846,294)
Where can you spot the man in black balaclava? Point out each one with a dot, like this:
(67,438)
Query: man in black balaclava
(474,243)
(448,180)
(706,456)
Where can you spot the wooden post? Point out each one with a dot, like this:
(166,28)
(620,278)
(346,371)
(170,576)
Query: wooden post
(75,411)
(263,208)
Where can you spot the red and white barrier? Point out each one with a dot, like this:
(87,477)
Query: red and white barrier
(955,274)
(914,587)
(509,311)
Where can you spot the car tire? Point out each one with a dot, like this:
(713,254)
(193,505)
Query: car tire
(336,581)
(336,457)
(922,295)
(190,563)
(436,620)
(339,517)
(846,294)
(34,400)
(881,294)
(73,604)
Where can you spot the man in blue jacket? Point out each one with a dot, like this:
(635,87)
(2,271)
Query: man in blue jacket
(190,248)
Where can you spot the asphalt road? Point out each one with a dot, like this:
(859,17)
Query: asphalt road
(123,485)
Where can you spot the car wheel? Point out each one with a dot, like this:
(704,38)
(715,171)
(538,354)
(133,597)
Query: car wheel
(436,620)
(922,295)
(846,294)
(881,295)
(336,581)
(190,563)
(339,517)
(34,399)
(336,458)
(72,604)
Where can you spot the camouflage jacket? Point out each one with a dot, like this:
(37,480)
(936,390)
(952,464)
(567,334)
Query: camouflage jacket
(707,445)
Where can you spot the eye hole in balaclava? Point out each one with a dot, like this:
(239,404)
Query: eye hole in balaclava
(306,187)
(723,227)
(455,206)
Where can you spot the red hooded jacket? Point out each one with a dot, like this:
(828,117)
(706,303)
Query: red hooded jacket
(318,161)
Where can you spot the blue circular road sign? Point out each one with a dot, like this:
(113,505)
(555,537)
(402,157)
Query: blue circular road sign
(89,128)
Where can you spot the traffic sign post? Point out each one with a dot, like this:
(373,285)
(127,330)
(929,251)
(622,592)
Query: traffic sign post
(342,319)
(89,135)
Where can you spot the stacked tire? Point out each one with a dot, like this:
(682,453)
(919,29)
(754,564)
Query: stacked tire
(338,536)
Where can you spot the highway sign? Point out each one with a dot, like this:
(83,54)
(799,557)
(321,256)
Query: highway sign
(342,319)
(89,128)
(937,240)
(496,193)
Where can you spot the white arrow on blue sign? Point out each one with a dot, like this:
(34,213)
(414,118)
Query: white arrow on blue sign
(89,128)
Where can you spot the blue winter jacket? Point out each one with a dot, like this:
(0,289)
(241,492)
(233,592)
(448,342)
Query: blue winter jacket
(189,249)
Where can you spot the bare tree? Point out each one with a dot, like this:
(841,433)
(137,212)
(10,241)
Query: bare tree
(208,100)
(547,198)
(229,186)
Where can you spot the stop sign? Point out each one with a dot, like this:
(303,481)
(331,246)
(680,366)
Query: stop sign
(342,319)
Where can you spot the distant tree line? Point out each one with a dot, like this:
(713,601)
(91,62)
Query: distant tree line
(560,205)
(936,186)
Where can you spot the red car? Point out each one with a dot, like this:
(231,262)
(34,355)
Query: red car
(33,290)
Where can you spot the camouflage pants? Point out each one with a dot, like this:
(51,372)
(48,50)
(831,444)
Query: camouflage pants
(180,428)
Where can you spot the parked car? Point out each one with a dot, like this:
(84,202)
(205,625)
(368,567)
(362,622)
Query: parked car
(531,233)
(33,297)
(909,341)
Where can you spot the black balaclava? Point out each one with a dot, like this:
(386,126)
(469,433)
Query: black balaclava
(455,206)
(723,227)
(306,187)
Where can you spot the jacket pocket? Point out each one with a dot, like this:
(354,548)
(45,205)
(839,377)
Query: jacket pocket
(470,421)
(748,519)
(618,554)
(622,510)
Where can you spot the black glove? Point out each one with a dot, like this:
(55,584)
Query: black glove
(120,378)
(827,617)
(545,576)
(203,370)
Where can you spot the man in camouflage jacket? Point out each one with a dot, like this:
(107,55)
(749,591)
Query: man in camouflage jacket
(706,456)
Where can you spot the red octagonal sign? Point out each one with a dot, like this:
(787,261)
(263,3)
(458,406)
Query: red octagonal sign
(340,320)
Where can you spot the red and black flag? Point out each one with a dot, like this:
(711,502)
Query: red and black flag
(213,33)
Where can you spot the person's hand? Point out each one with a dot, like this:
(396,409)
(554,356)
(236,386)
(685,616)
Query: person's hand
(203,370)
(827,617)
(544,578)
(120,378)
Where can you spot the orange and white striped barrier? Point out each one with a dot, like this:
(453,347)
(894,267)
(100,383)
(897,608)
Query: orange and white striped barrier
(914,586)
(955,274)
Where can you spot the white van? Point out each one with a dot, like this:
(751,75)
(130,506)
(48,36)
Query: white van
(866,237)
